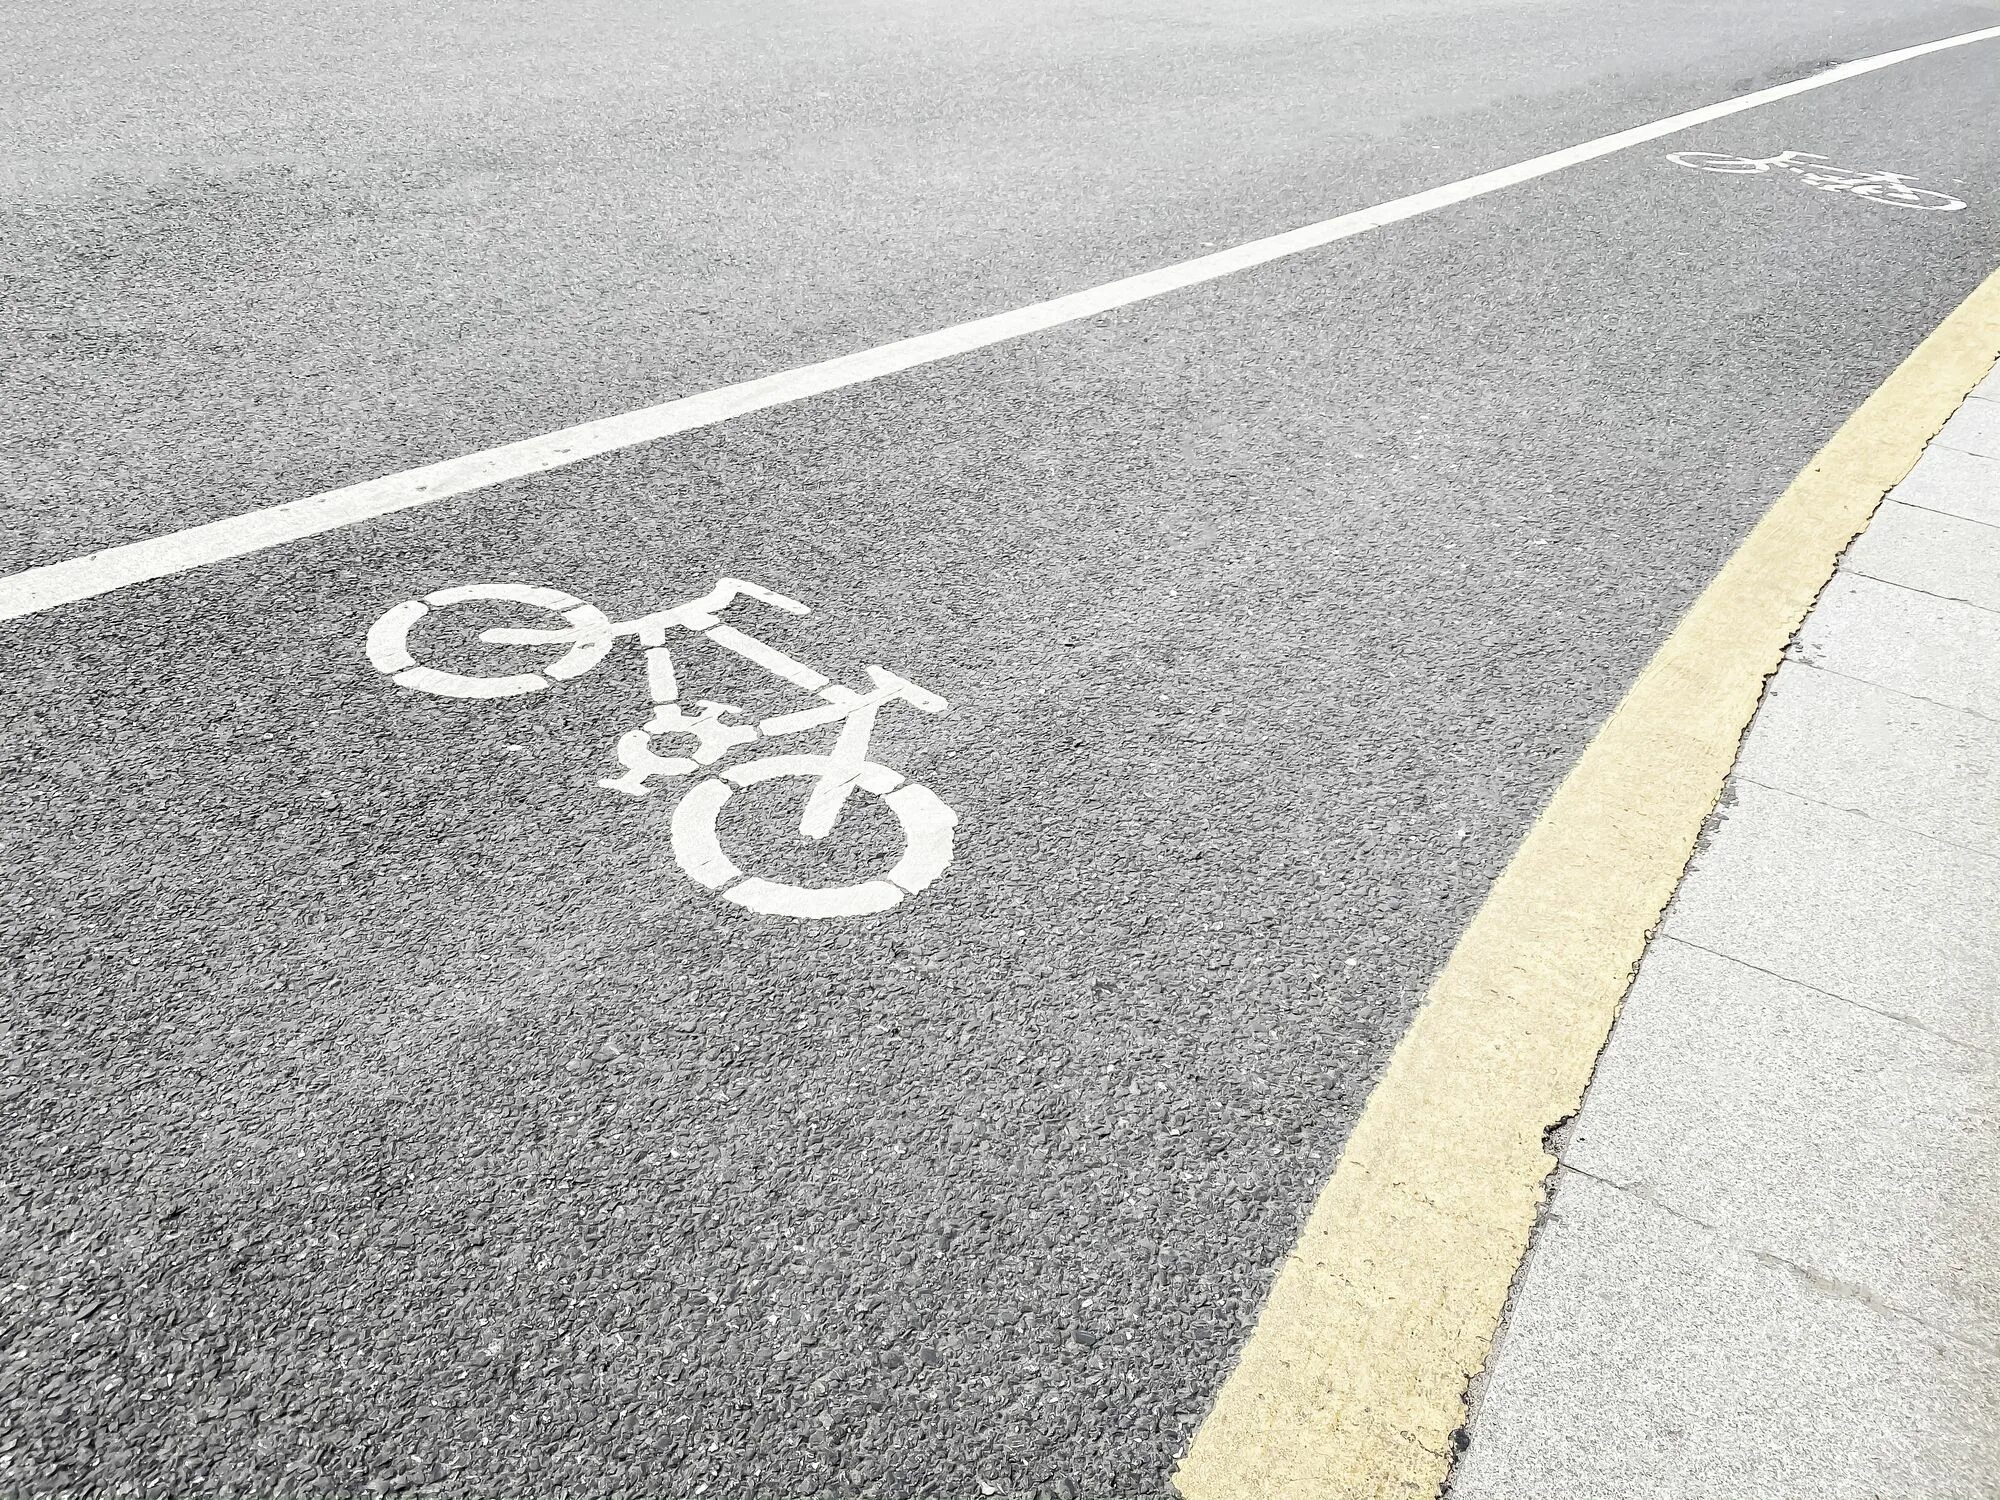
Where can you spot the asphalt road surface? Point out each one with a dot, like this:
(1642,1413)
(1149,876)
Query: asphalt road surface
(386,1110)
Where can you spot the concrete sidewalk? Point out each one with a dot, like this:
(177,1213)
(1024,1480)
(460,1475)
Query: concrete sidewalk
(1770,1265)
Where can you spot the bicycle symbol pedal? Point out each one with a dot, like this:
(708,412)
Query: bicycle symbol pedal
(716,729)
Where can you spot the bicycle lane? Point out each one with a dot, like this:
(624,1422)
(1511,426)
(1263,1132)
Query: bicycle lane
(363,263)
(427,1124)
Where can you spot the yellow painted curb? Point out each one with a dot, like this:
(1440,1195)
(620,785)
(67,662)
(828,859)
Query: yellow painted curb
(1354,1379)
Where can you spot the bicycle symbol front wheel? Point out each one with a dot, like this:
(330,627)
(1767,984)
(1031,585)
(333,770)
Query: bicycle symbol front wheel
(1904,197)
(927,837)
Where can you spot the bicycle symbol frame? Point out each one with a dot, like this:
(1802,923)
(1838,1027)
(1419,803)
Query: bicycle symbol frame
(1814,171)
(589,635)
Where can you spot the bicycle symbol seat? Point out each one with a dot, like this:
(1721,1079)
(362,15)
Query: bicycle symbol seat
(588,636)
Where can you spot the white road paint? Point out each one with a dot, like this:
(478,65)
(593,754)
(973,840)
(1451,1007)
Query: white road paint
(37,589)
(589,635)
(1892,188)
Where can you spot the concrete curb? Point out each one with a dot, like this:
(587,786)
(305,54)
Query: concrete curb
(1353,1381)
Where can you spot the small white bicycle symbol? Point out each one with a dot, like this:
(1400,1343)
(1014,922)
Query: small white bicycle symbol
(1817,172)
(589,636)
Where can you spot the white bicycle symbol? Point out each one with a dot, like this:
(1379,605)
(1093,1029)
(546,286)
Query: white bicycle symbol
(1818,172)
(589,636)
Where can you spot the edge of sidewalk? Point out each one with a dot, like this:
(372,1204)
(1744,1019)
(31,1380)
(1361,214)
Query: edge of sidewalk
(1353,1382)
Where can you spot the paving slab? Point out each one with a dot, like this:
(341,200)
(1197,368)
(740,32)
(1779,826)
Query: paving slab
(1645,1357)
(1974,428)
(1958,484)
(1888,918)
(1878,752)
(1860,1148)
(1940,649)
(1937,554)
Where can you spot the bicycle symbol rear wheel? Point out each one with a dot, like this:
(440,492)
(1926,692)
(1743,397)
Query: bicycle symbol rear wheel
(389,642)
(927,837)
(1717,161)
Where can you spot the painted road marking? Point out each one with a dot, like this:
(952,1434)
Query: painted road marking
(96,573)
(588,635)
(1354,1378)
(1818,172)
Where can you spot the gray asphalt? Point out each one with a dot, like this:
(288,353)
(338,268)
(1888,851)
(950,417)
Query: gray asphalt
(387,1113)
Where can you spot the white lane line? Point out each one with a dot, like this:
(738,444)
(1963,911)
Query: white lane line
(85,577)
